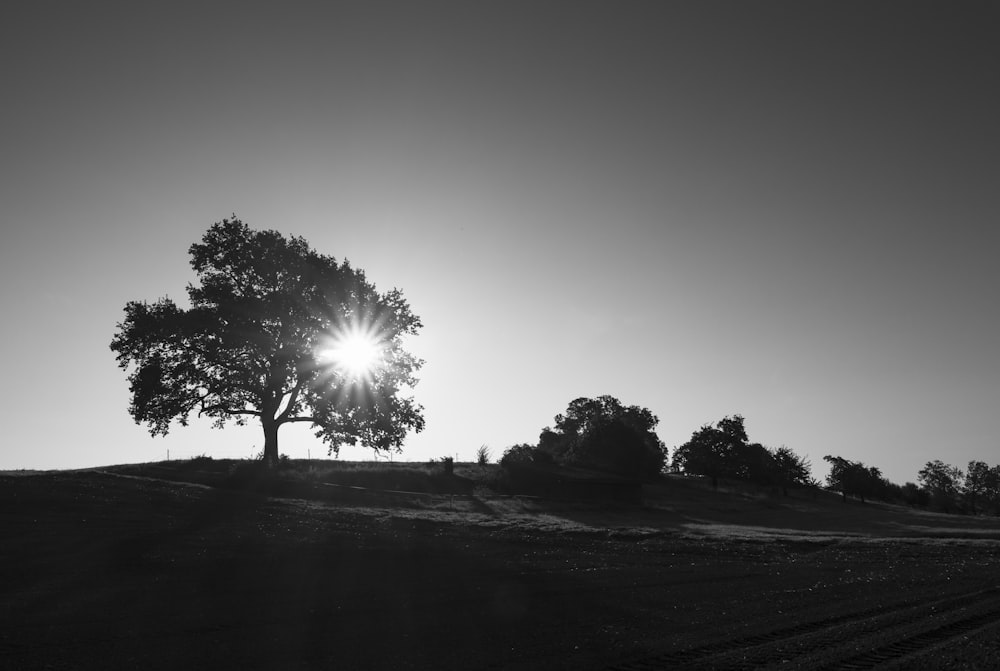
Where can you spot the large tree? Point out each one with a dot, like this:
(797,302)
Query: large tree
(277,332)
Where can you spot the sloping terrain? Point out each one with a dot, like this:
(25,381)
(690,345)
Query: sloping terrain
(103,570)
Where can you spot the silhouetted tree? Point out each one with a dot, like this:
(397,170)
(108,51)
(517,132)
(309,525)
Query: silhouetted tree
(853,478)
(993,489)
(790,469)
(602,433)
(976,485)
(754,463)
(614,446)
(516,454)
(252,345)
(716,451)
(943,481)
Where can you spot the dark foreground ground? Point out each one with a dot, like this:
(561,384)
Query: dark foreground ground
(108,572)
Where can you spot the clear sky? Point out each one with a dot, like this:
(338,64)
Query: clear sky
(787,210)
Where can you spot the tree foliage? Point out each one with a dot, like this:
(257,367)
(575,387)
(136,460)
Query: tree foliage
(943,481)
(712,450)
(725,451)
(978,485)
(523,453)
(790,469)
(853,478)
(603,433)
(250,345)
(599,433)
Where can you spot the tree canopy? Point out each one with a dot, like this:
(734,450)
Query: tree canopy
(943,481)
(605,434)
(725,451)
(278,332)
(853,478)
(599,433)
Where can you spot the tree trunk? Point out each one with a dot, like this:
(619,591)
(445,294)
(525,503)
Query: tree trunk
(270,444)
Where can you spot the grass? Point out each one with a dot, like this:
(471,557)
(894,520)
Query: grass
(120,570)
(677,505)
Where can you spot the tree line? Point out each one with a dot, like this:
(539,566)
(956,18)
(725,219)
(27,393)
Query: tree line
(725,451)
(939,485)
(604,434)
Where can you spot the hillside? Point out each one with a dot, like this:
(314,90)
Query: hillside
(675,505)
(114,569)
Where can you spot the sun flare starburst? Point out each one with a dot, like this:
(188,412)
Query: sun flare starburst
(356,352)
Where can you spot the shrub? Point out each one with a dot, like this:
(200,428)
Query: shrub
(518,454)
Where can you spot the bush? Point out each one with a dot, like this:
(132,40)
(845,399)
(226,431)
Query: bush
(521,453)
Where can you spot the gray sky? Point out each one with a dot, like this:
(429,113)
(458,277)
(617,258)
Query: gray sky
(783,210)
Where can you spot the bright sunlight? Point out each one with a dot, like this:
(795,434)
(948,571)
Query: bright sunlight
(355,352)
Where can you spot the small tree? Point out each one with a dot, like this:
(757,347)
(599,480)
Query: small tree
(483,455)
(790,469)
(278,332)
(977,484)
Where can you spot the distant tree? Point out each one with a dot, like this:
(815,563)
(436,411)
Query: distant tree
(277,332)
(993,489)
(522,453)
(977,485)
(483,455)
(790,469)
(754,463)
(603,433)
(717,451)
(853,478)
(943,481)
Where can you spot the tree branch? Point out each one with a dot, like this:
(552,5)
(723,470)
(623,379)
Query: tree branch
(292,399)
(227,410)
(314,420)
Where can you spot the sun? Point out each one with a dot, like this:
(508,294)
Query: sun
(354,352)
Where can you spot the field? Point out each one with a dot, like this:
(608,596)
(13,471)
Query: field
(150,567)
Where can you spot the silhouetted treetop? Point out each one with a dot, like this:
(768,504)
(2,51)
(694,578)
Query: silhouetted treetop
(853,478)
(275,331)
(943,481)
(599,433)
(725,451)
(715,451)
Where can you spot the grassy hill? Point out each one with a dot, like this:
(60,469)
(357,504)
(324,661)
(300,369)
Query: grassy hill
(206,564)
(674,505)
